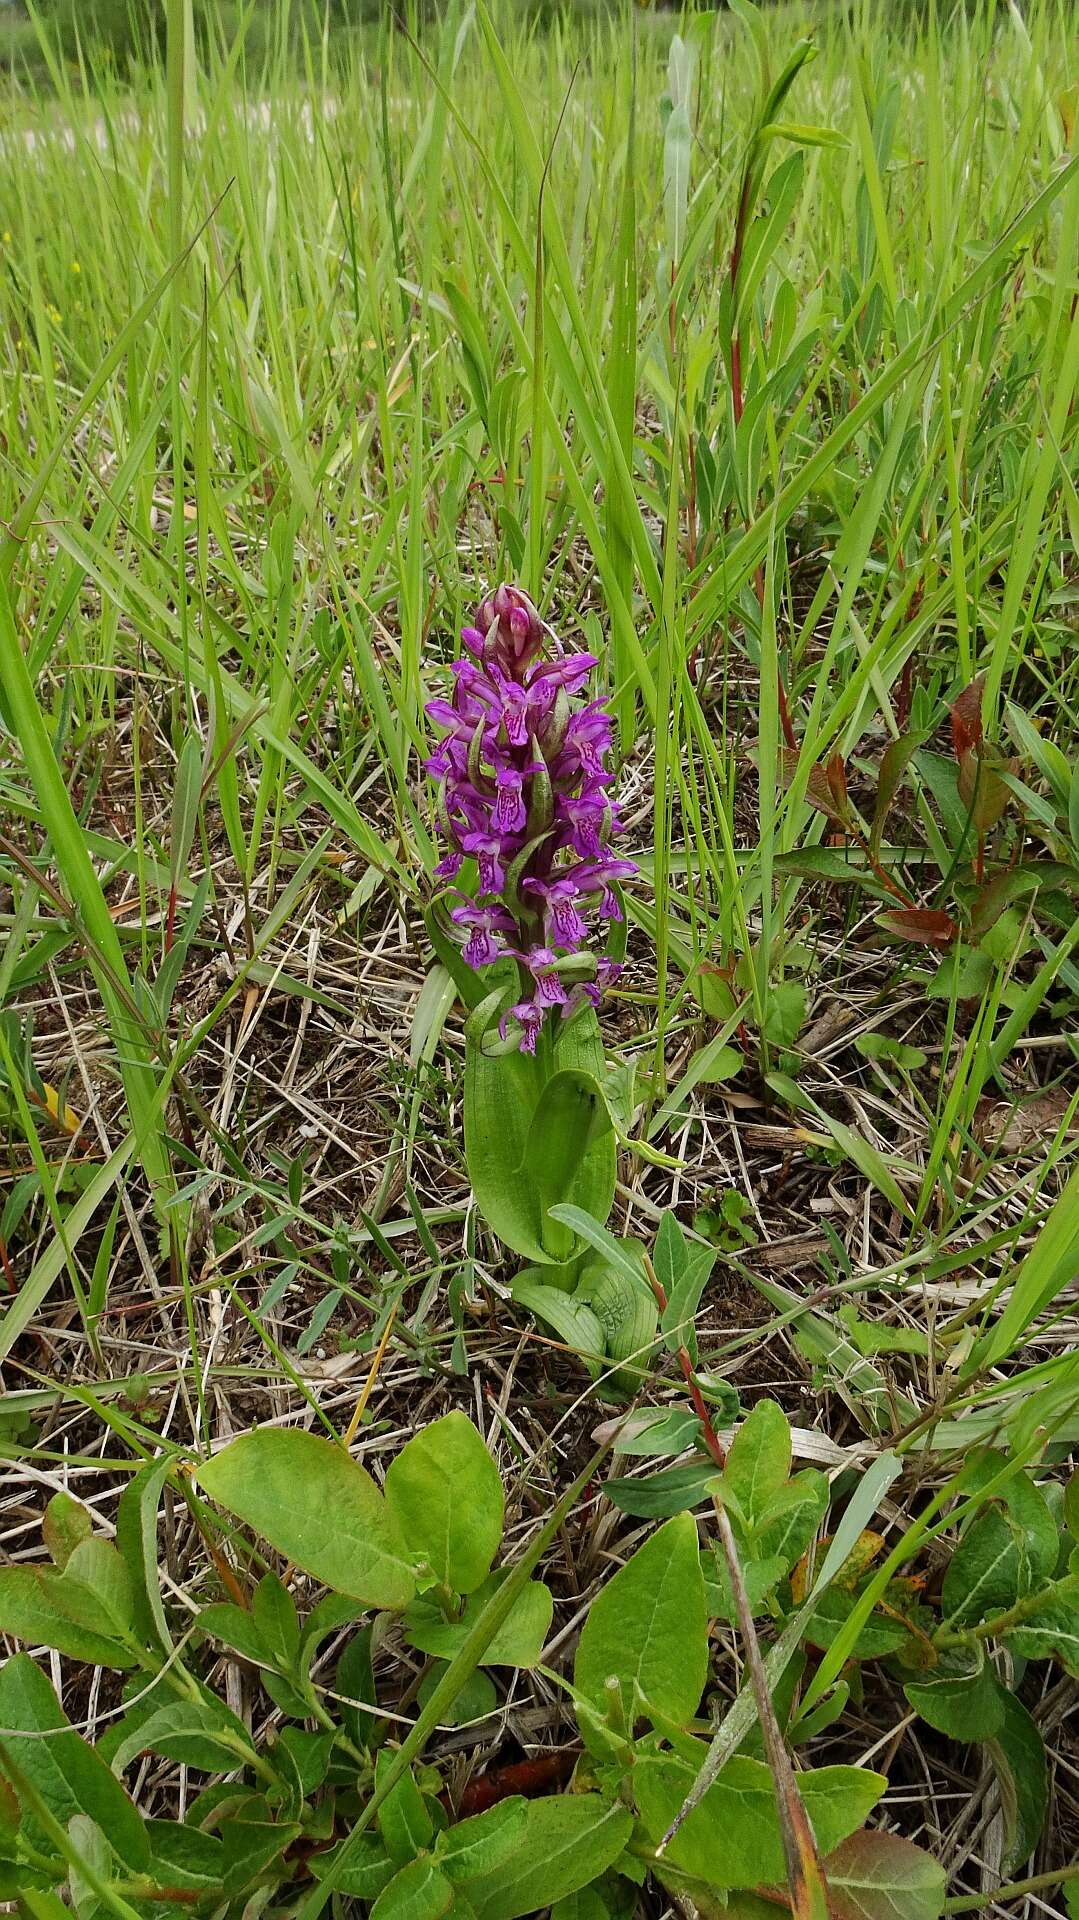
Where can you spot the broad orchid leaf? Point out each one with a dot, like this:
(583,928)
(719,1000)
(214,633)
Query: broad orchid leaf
(534,1138)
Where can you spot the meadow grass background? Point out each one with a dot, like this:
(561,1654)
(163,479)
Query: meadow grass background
(304,345)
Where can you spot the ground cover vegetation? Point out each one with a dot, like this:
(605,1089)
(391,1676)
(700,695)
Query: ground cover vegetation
(539,853)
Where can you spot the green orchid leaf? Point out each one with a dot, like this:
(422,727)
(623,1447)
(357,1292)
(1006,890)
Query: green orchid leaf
(538,1133)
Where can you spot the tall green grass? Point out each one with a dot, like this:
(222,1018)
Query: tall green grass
(299,352)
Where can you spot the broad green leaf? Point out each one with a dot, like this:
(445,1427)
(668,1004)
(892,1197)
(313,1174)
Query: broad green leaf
(369,1867)
(200,1733)
(1053,1631)
(587,1904)
(66,1523)
(568,1841)
(793,1517)
(572,1143)
(878,1635)
(960,1696)
(355,1682)
(655,1432)
(989,1570)
(1017,1752)
(670,1254)
(234,1627)
(1027,1505)
(250,1847)
(70,1777)
(418,1892)
(477,1698)
(274,1613)
(628,1313)
(759,1461)
(96,1572)
(310,1754)
(518,1642)
(136,1539)
(648,1630)
(489,1619)
(184,1856)
(760,1578)
(785,1013)
(319,1507)
(92,1856)
(881,1876)
(733,1838)
(334,1610)
(481,1844)
(404,1819)
(46,1608)
(674,1490)
(621,1254)
(683,1272)
(444,1491)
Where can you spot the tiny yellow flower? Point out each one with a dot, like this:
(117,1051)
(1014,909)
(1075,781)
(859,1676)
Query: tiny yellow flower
(75,267)
(5,238)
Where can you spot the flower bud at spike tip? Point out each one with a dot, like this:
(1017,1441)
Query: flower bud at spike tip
(512,629)
(523,791)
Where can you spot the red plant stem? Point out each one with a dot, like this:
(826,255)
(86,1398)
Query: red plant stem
(785,720)
(737,244)
(9,1278)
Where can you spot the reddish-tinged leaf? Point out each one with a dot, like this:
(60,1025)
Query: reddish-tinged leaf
(922,926)
(895,760)
(818,788)
(836,774)
(967,718)
(872,1876)
(880,1876)
(981,788)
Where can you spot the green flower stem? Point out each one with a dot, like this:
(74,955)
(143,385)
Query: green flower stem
(1014,1890)
(993,1629)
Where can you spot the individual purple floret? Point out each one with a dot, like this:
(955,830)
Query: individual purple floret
(523,791)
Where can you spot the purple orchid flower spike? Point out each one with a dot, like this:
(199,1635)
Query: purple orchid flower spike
(484,925)
(523,776)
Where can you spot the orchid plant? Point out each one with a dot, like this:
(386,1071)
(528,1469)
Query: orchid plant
(525,805)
